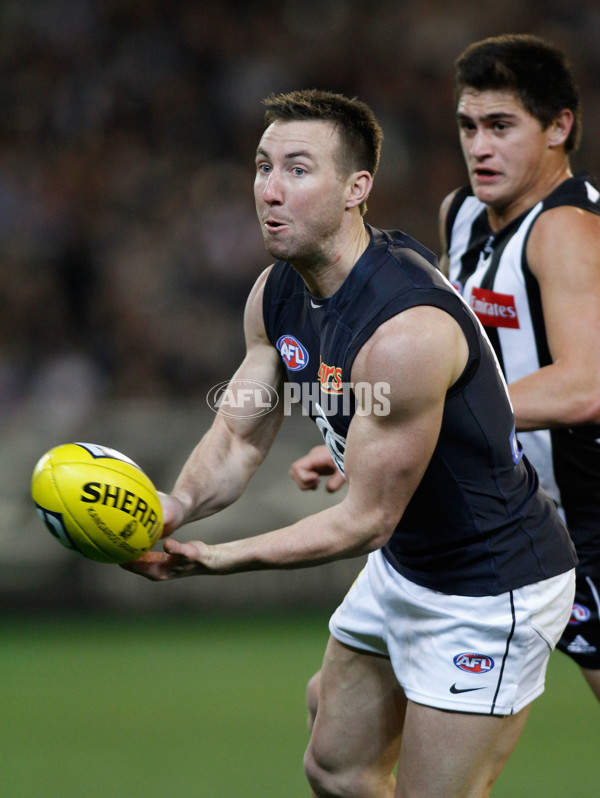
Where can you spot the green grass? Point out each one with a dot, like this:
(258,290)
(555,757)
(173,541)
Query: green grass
(172,706)
(156,708)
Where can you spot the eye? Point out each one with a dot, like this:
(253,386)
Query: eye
(263,168)
(465,125)
(299,171)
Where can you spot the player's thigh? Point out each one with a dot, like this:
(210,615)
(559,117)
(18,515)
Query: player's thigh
(360,714)
(454,754)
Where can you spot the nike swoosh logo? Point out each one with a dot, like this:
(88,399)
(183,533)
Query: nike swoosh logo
(454,689)
(313,305)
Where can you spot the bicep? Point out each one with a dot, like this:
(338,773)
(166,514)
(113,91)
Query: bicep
(249,407)
(420,357)
(564,256)
(385,461)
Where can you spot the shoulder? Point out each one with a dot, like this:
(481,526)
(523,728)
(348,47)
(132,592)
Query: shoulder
(563,236)
(257,291)
(419,347)
(254,324)
(446,203)
(445,207)
(569,216)
(275,283)
(566,220)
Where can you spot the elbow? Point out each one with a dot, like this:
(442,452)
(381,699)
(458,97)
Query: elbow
(575,408)
(586,410)
(375,530)
(590,413)
(382,533)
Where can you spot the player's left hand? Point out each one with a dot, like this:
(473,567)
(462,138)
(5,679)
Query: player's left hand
(177,560)
(173,513)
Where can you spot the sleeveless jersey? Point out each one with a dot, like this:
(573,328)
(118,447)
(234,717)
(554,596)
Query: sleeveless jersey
(476,525)
(491,271)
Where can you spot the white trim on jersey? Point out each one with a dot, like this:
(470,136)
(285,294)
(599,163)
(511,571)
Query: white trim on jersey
(461,230)
(594,593)
(593,193)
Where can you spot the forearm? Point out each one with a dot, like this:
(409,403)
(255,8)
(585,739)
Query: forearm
(554,397)
(220,467)
(321,538)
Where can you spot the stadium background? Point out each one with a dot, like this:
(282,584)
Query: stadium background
(128,242)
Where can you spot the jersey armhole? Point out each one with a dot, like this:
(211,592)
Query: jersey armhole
(271,289)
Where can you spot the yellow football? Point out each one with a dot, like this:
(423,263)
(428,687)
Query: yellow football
(97,502)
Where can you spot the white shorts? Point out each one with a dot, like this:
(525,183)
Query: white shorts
(485,654)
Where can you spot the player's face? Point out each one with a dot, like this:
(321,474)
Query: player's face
(505,150)
(300,196)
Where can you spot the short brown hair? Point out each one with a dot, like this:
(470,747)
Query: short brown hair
(534,69)
(359,131)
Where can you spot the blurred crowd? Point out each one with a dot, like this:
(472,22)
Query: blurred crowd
(128,237)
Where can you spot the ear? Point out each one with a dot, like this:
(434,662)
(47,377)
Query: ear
(358,188)
(560,127)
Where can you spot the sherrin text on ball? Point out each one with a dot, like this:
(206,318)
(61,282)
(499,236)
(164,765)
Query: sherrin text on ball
(97,501)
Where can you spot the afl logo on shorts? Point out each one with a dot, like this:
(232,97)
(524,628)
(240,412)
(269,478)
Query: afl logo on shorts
(579,614)
(473,663)
(294,355)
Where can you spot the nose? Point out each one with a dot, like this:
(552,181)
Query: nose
(480,145)
(272,190)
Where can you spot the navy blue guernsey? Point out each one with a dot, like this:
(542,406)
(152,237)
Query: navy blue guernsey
(477,524)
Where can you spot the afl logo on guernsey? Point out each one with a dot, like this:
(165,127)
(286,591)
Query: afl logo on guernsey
(473,663)
(579,614)
(294,355)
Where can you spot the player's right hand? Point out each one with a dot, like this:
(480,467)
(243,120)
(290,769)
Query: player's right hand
(177,560)
(308,470)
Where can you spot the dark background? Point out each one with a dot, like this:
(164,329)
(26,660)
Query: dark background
(128,243)
(128,237)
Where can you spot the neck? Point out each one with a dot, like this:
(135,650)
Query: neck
(325,274)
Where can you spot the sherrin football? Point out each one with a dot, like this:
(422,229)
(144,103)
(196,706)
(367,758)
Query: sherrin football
(97,502)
